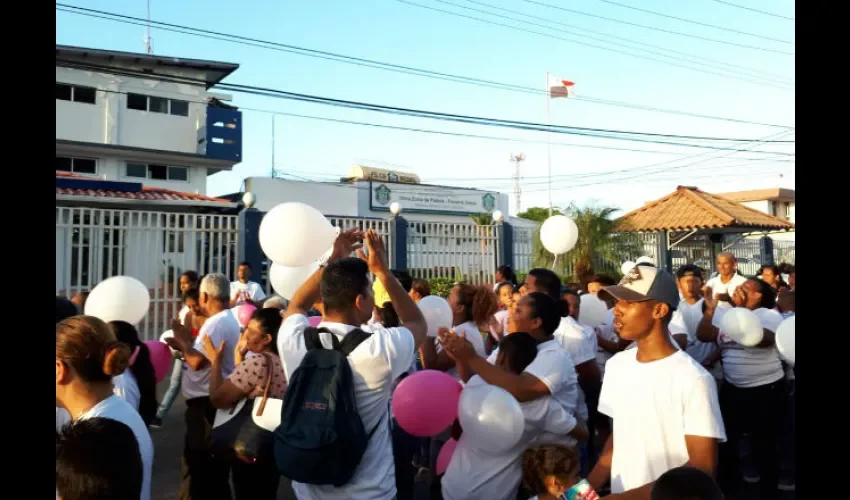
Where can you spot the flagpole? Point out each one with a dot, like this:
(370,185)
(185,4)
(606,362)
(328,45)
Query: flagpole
(548,141)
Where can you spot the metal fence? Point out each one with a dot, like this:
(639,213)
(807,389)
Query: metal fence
(381,226)
(153,247)
(748,254)
(467,252)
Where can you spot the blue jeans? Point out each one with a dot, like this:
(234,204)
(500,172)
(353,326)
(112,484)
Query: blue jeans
(173,389)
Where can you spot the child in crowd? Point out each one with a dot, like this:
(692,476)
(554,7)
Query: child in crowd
(686,483)
(97,459)
(473,473)
(552,472)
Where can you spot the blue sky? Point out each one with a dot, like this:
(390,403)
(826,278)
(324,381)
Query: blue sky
(395,32)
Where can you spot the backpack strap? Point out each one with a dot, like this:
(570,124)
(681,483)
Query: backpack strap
(351,340)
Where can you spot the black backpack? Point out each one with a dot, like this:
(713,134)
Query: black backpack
(321,438)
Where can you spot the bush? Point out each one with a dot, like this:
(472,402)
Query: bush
(441,286)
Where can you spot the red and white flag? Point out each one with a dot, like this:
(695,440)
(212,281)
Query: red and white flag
(560,88)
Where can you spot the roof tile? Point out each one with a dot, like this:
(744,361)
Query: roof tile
(147,193)
(689,208)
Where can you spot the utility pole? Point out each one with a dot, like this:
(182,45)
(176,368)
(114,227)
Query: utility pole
(148,44)
(516,159)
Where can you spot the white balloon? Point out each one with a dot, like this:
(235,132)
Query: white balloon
(592,311)
(437,312)
(742,326)
(294,234)
(491,418)
(785,339)
(559,234)
(119,298)
(627,267)
(645,260)
(286,280)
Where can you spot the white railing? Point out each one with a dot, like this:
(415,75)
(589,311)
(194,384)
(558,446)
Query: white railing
(467,252)
(153,247)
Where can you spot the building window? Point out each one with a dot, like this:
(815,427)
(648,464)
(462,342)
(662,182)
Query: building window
(76,165)
(789,210)
(76,93)
(153,104)
(157,172)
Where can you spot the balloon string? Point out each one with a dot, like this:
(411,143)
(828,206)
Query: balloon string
(555,263)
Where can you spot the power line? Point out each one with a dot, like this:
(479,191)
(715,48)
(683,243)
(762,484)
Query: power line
(655,28)
(701,60)
(639,56)
(629,40)
(377,64)
(697,23)
(755,10)
(520,125)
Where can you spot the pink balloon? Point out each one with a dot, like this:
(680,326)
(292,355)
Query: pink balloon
(244,314)
(425,403)
(160,358)
(314,321)
(445,456)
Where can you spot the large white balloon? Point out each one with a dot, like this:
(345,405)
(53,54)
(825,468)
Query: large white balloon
(491,418)
(437,312)
(559,234)
(119,298)
(294,234)
(286,280)
(785,338)
(742,326)
(627,267)
(645,260)
(593,310)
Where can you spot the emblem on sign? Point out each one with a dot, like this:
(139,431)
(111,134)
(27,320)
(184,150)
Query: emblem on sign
(382,195)
(489,202)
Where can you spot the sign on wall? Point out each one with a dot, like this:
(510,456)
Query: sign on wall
(430,199)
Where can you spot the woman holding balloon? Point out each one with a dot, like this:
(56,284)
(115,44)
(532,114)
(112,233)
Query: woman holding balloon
(753,397)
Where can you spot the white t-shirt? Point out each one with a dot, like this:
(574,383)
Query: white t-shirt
(473,473)
(125,387)
(117,409)
(221,327)
(470,332)
(718,287)
(580,342)
(502,319)
(749,366)
(606,331)
(654,406)
(554,367)
(251,290)
(182,315)
(375,364)
(685,321)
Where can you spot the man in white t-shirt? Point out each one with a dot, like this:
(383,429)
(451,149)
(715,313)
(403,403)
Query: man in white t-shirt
(203,477)
(346,292)
(686,319)
(726,280)
(245,291)
(663,403)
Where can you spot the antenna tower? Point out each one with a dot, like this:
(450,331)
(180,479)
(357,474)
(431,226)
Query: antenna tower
(516,159)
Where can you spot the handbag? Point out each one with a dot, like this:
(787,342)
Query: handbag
(244,432)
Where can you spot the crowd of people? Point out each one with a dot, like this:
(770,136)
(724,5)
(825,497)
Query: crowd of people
(653,403)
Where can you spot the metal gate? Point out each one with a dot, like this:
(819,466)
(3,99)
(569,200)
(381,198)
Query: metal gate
(93,244)
(462,252)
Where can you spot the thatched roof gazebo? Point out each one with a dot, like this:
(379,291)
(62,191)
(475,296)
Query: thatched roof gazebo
(689,217)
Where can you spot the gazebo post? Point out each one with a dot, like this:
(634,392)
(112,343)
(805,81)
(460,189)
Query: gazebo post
(663,253)
(716,248)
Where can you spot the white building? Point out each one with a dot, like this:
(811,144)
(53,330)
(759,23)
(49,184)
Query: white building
(141,118)
(136,137)
(778,202)
(369,192)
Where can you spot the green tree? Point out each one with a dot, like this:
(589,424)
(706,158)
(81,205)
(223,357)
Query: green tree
(538,214)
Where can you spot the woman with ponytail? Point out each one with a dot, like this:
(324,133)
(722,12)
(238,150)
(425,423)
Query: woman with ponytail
(88,356)
(137,385)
